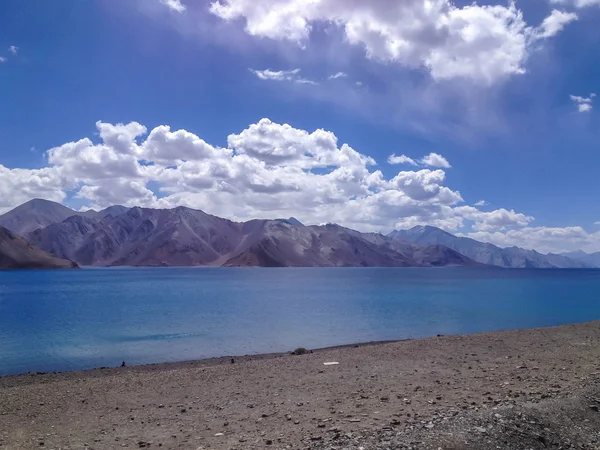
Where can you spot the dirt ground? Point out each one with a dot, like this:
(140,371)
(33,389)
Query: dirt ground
(526,389)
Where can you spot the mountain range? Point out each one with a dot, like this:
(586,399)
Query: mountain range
(485,253)
(17,253)
(587,258)
(187,237)
(120,236)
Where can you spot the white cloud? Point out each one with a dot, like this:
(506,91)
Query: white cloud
(500,219)
(337,75)
(481,203)
(597,223)
(2,59)
(402,159)
(578,3)
(13,49)
(435,160)
(555,23)
(20,185)
(266,170)
(431,160)
(481,42)
(305,81)
(282,75)
(174,5)
(425,184)
(584,104)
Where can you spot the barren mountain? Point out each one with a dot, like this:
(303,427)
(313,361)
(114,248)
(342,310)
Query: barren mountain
(187,237)
(282,244)
(17,253)
(34,214)
(143,237)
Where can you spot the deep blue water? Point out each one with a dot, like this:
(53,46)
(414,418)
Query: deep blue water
(68,320)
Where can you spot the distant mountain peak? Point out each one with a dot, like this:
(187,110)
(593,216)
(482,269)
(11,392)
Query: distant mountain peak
(292,221)
(40,201)
(34,214)
(419,230)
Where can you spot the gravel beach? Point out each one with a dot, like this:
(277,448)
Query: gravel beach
(524,389)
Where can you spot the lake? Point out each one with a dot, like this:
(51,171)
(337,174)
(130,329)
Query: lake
(69,320)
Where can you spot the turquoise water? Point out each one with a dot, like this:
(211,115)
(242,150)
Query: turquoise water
(67,320)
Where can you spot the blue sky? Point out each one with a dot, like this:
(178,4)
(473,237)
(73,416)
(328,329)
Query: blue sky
(503,94)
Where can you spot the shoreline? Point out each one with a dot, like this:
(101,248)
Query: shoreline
(531,388)
(226,359)
(211,361)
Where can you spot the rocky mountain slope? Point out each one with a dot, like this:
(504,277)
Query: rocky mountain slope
(513,257)
(280,243)
(17,253)
(187,237)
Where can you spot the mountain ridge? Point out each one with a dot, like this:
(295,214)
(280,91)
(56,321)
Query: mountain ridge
(588,258)
(486,253)
(186,237)
(181,236)
(39,213)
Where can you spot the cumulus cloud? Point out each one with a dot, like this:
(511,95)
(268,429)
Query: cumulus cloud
(481,42)
(282,75)
(266,170)
(402,159)
(435,160)
(13,49)
(554,23)
(584,104)
(20,185)
(174,5)
(500,219)
(481,203)
(578,3)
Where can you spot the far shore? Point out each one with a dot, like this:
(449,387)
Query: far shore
(533,388)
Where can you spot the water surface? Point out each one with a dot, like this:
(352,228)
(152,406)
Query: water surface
(68,320)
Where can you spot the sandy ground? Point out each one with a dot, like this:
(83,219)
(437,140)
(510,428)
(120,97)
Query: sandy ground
(528,389)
